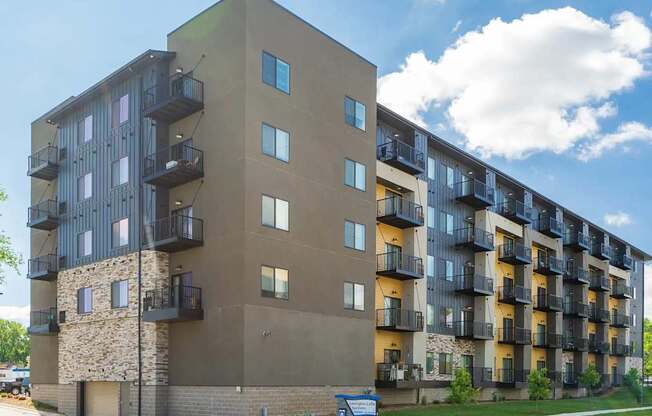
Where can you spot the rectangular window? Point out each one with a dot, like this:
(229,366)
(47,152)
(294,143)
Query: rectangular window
(120,233)
(354,235)
(430,265)
(447,268)
(445,363)
(274,282)
(450,177)
(85,186)
(119,294)
(85,243)
(275,213)
(120,111)
(430,315)
(446,318)
(430,363)
(85,129)
(430,222)
(276,143)
(85,300)
(120,171)
(355,113)
(355,174)
(446,223)
(276,72)
(431,168)
(353,296)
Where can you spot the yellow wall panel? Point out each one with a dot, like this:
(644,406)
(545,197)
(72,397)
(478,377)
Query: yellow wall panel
(593,297)
(592,358)
(538,354)
(387,340)
(538,317)
(387,287)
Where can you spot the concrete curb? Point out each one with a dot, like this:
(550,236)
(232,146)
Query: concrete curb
(605,412)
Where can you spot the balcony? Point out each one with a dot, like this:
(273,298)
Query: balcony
(509,377)
(402,156)
(474,284)
(174,233)
(515,336)
(570,343)
(44,164)
(514,295)
(550,226)
(598,347)
(621,291)
(45,268)
(174,165)
(546,340)
(173,304)
(598,282)
(515,211)
(398,376)
(173,99)
(598,315)
(482,376)
(577,240)
(576,309)
(399,212)
(555,377)
(620,350)
(399,266)
(622,261)
(576,276)
(475,239)
(43,322)
(516,254)
(548,303)
(44,215)
(474,330)
(620,321)
(474,193)
(570,379)
(399,320)
(549,266)
(601,251)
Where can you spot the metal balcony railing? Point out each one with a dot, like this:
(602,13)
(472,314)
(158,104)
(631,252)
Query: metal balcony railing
(174,98)
(515,211)
(402,156)
(399,212)
(514,294)
(475,193)
(572,343)
(601,251)
(620,320)
(44,164)
(598,347)
(391,372)
(44,267)
(548,265)
(473,330)
(43,322)
(547,302)
(174,233)
(598,281)
(474,238)
(621,350)
(578,309)
(179,296)
(474,284)
(622,261)
(514,335)
(174,165)
(399,320)
(398,265)
(44,215)
(621,291)
(550,226)
(598,314)
(576,275)
(516,254)
(577,240)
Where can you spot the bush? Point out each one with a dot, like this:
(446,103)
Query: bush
(590,378)
(538,385)
(462,390)
(632,381)
(566,395)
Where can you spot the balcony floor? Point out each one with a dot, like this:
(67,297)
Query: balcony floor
(476,246)
(400,274)
(174,244)
(45,171)
(476,201)
(45,223)
(515,260)
(181,173)
(47,329)
(404,165)
(173,314)
(400,221)
(173,109)
(474,291)
(45,275)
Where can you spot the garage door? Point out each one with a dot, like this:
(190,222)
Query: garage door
(102,399)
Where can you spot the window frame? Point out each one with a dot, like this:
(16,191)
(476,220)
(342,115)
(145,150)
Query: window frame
(353,306)
(119,222)
(355,167)
(274,295)
(430,314)
(276,201)
(354,122)
(114,304)
(448,364)
(85,311)
(276,72)
(275,144)
(86,178)
(83,235)
(355,235)
(430,363)
(120,167)
(83,125)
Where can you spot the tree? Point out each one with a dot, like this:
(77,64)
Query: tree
(8,257)
(14,342)
(538,385)
(590,378)
(462,390)
(632,381)
(647,347)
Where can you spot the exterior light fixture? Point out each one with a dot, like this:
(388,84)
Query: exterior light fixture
(178,203)
(179,136)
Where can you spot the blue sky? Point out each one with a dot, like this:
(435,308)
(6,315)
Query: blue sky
(52,52)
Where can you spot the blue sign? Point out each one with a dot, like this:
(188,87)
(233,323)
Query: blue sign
(357,405)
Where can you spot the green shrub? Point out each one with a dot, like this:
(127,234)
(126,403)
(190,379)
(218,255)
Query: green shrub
(632,381)
(462,390)
(566,395)
(538,385)
(497,396)
(590,378)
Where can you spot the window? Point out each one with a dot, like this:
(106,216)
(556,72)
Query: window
(354,235)
(431,168)
(85,300)
(446,318)
(85,186)
(355,113)
(541,365)
(274,282)
(276,72)
(430,265)
(355,174)
(85,243)
(120,233)
(120,111)
(447,268)
(450,177)
(119,294)
(275,213)
(634,293)
(353,296)
(120,171)
(430,363)
(276,143)
(430,315)
(85,129)
(430,222)
(446,223)
(445,363)
(634,320)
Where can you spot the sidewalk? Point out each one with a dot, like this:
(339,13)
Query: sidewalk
(605,412)
(11,410)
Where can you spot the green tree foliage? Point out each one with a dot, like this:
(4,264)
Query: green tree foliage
(590,378)
(14,342)
(538,385)
(647,347)
(462,390)
(632,381)
(8,257)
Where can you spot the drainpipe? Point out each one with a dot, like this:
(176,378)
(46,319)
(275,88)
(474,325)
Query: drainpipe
(139,222)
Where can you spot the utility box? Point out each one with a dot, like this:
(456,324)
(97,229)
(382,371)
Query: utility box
(357,405)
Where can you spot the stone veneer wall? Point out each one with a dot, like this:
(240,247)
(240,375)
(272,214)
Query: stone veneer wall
(437,343)
(102,345)
(46,393)
(634,362)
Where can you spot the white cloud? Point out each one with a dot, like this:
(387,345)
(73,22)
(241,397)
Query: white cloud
(457,26)
(617,219)
(15,313)
(626,132)
(538,83)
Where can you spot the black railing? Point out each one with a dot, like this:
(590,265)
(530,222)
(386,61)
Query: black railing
(623,261)
(47,208)
(621,290)
(176,86)
(470,329)
(548,265)
(599,347)
(510,375)
(397,206)
(43,317)
(554,340)
(548,302)
(550,226)
(178,296)
(48,263)
(475,192)
(598,314)
(570,378)
(514,294)
(601,251)
(514,335)
(481,376)
(398,372)
(471,282)
(620,350)
(395,150)
(396,261)
(514,251)
(180,155)
(49,155)
(474,236)
(577,239)
(400,319)
(598,281)
(575,308)
(572,343)
(576,275)
(515,210)
(180,227)
(620,320)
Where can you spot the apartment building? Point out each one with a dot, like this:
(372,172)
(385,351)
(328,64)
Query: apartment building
(234,224)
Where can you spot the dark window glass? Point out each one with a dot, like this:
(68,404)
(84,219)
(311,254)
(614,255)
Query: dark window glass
(119,294)
(85,300)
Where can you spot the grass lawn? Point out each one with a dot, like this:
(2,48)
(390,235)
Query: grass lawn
(619,399)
